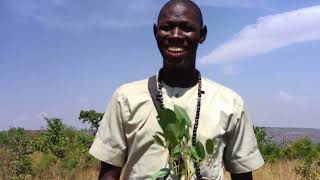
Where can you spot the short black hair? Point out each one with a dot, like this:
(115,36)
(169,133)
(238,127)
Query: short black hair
(186,2)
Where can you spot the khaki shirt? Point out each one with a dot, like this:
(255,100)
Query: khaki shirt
(124,138)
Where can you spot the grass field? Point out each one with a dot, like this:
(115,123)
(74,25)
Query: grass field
(283,170)
(280,170)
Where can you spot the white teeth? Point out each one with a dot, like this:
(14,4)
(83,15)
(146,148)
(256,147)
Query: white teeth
(175,49)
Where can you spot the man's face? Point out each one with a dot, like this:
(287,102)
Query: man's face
(178,33)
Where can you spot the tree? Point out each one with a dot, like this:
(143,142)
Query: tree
(57,139)
(91,117)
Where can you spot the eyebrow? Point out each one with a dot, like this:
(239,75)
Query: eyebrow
(181,22)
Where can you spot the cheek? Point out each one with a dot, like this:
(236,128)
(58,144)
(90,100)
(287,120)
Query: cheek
(194,35)
(161,35)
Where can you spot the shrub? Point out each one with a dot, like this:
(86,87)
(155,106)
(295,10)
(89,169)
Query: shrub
(300,149)
(57,140)
(20,150)
(39,142)
(270,151)
(4,138)
(309,169)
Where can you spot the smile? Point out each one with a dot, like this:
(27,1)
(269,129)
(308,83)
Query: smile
(175,49)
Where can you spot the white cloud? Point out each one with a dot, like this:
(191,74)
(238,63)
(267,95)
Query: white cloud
(225,3)
(269,33)
(73,15)
(230,70)
(283,95)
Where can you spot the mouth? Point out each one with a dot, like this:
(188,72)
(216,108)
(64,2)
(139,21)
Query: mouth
(175,49)
(175,52)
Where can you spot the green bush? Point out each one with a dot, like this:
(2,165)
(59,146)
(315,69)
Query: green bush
(20,150)
(58,152)
(270,151)
(4,138)
(39,142)
(57,140)
(300,149)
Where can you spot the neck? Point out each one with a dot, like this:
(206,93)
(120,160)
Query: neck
(179,78)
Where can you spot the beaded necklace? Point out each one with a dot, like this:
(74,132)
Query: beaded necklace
(196,119)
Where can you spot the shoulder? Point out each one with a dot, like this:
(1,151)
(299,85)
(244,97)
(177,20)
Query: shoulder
(223,94)
(140,86)
(132,91)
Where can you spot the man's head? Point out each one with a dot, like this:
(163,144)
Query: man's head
(178,32)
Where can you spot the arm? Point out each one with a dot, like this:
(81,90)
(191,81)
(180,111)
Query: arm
(109,172)
(243,176)
(241,155)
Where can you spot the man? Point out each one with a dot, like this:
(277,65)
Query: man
(124,142)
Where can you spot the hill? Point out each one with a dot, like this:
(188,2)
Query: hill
(283,136)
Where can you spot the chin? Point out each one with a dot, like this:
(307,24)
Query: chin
(179,65)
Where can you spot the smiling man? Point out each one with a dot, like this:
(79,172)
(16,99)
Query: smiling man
(124,142)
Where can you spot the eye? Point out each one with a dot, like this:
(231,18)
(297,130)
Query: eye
(165,27)
(187,28)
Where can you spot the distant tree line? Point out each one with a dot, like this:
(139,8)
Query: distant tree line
(62,151)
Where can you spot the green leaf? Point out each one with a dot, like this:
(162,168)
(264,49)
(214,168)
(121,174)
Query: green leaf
(161,134)
(166,117)
(160,174)
(181,130)
(158,140)
(210,145)
(170,138)
(200,150)
(176,154)
(187,134)
(194,155)
(182,115)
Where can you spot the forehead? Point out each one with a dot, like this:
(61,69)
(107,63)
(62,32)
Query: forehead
(179,12)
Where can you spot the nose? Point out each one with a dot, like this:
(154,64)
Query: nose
(176,32)
(176,35)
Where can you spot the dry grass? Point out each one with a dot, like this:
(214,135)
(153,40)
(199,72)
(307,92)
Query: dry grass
(282,170)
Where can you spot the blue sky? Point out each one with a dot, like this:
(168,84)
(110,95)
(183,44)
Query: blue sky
(58,57)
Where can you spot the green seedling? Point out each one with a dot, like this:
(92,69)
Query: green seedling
(175,137)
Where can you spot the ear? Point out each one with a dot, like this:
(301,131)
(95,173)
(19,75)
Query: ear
(155,30)
(203,34)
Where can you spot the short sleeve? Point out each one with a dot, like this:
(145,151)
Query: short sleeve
(241,154)
(110,143)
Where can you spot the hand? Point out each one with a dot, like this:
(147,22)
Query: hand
(243,176)
(109,172)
